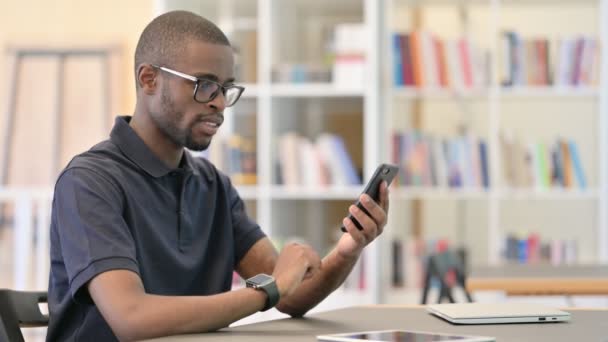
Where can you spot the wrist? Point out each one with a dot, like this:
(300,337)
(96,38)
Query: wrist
(280,288)
(348,257)
(267,284)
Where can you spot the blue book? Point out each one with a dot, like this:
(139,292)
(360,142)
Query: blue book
(577,165)
(522,251)
(397,59)
(348,167)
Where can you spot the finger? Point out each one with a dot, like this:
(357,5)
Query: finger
(354,232)
(376,211)
(384,202)
(368,224)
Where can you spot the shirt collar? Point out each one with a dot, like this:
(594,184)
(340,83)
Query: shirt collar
(136,150)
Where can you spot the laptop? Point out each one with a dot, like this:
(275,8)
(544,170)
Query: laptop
(493,313)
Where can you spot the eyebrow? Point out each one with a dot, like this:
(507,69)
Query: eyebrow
(212,77)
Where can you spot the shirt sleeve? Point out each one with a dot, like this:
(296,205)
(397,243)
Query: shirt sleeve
(94,238)
(246,231)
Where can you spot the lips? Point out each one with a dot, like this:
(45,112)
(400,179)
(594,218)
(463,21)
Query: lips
(213,120)
(210,124)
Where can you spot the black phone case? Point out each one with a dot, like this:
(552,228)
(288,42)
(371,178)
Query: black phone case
(384,172)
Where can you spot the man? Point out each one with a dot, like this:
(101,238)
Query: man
(144,237)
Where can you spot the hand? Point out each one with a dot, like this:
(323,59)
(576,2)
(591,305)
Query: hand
(352,243)
(295,263)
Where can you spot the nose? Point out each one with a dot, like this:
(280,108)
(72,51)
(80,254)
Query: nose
(219,102)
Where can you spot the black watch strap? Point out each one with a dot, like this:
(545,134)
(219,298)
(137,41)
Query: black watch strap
(272,293)
(266,283)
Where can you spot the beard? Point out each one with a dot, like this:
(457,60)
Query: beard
(166,120)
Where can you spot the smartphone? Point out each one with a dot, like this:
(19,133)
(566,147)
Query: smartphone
(384,172)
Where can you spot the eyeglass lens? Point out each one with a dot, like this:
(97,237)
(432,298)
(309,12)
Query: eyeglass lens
(208,90)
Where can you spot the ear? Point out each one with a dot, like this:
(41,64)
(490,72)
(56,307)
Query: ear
(146,78)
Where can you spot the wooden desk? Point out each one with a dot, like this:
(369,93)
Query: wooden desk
(586,325)
(540,279)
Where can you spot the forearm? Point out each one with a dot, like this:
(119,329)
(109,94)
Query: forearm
(334,271)
(153,316)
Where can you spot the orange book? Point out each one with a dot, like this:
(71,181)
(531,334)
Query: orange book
(441,63)
(543,58)
(417,65)
(567,164)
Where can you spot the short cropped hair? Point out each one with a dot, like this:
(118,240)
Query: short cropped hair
(166,36)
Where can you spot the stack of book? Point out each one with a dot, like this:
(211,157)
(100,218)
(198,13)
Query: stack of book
(530,249)
(571,61)
(350,44)
(427,160)
(236,156)
(421,59)
(325,162)
(542,166)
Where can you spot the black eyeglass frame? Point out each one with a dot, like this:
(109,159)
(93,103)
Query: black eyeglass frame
(197,81)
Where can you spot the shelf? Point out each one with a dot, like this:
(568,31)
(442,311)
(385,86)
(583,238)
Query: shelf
(10,194)
(544,92)
(443,2)
(248,192)
(502,92)
(439,93)
(550,194)
(241,23)
(323,6)
(501,2)
(437,193)
(251,90)
(480,193)
(313,90)
(548,2)
(316,193)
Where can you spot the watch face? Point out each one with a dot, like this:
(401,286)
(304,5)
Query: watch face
(260,280)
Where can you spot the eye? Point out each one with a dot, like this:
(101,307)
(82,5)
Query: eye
(205,85)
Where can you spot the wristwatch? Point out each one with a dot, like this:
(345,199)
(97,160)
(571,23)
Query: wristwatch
(265,283)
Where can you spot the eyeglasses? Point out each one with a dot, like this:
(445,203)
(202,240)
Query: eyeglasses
(206,90)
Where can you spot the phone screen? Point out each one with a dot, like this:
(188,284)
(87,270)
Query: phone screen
(384,172)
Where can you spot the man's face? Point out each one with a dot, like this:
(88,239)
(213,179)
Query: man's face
(183,120)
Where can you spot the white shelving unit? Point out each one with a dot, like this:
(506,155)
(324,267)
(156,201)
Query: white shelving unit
(300,211)
(497,104)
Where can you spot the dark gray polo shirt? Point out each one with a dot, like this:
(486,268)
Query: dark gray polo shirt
(117,206)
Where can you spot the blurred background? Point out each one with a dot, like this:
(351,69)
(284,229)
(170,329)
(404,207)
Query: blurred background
(495,110)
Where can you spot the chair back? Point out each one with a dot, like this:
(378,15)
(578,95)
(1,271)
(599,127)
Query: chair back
(20,309)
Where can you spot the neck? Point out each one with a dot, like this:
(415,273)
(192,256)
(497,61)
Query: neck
(165,149)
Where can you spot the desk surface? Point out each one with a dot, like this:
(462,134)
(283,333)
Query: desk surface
(541,279)
(586,325)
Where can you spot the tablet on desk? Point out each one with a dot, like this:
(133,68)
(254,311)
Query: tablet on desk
(401,335)
(493,313)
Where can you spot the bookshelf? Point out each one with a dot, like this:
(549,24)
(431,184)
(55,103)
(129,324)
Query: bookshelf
(313,90)
(291,37)
(481,218)
(296,90)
